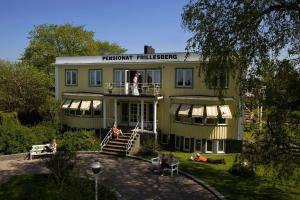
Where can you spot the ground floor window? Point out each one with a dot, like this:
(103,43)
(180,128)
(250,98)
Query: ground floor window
(198,145)
(198,120)
(211,121)
(177,142)
(187,144)
(164,139)
(221,146)
(209,146)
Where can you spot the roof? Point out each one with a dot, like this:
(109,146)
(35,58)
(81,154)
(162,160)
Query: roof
(174,57)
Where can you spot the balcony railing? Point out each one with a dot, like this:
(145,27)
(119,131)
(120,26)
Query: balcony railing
(131,89)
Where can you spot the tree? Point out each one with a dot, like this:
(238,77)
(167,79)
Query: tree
(50,41)
(22,88)
(248,36)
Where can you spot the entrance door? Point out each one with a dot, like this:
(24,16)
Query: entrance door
(133,114)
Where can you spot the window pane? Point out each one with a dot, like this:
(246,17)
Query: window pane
(209,145)
(74,77)
(92,77)
(177,141)
(220,145)
(179,80)
(68,77)
(187,143)
(157,76)
(98,77)
(149,76)
(188,77)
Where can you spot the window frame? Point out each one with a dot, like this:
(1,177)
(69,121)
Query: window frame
(189,139)
(71,78)
(153,69)
(95,84)
(217,75)
(183,74)
(121,76)
(201,143)
(220,151)
(179,138)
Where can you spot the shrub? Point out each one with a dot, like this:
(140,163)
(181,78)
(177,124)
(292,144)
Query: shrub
(242,170)
(43,134)
(79,141)
(148,147)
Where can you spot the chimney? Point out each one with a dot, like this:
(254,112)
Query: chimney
(148,50)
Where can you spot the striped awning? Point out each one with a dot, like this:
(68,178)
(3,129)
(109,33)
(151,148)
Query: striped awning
(198,111)
(85,105)
(225,111)
(212,111)
(184,110)
(173,109)
(97,104)
(66,104)
(75,104)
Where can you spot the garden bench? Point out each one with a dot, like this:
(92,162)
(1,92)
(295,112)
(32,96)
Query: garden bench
(42,149)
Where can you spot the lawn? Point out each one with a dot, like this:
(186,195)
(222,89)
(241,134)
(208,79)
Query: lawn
(234,187)
(40,187)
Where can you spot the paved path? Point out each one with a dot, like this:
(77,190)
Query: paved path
(132,178)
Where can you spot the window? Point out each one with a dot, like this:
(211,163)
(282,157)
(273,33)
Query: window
(164,139)
(219,79)
(71,77)
(221,146)
(221,120)
(119,76)
(209,146)
(95,77)
(187,144)
(184,77)
(153,76)
(198,145)
(177,142)
(198,120)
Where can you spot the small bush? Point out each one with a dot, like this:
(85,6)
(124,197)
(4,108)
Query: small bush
(148,147)
(242,170)
(79,141)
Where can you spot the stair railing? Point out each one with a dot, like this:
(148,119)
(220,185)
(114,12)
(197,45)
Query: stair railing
(106,139)
(132,137)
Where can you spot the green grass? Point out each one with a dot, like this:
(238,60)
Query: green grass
(40,187)
(234,187)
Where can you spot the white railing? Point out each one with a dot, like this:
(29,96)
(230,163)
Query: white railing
(150,89)
(106,140)
(132,137)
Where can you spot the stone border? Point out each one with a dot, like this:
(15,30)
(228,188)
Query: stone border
(200,182)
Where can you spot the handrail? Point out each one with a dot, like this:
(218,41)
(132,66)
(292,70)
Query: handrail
(133,135)
(128,88)
(106,140)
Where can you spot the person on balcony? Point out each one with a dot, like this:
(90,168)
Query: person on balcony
(116,132)
(135,89)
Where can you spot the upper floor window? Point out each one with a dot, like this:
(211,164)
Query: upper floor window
(153,76)
(119,76)
(95,76)
(184,77)
(71,77)
(219,79)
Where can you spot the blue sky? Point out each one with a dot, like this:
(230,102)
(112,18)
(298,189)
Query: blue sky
(131,23)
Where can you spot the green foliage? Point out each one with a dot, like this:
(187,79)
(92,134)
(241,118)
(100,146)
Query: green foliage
(16,138)
(8,118)
(79,141)
(37,187)
(22,88)
(61,165)
(148,148)
(48,41)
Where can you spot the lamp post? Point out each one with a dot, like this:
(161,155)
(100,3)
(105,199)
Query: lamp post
(96,168)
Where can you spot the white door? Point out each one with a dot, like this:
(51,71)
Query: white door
(133,114)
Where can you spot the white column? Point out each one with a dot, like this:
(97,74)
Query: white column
(56,83)
(115,112)
(154,116)
(104,113)
(142,115)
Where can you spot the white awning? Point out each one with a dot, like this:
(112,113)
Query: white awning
(75,104)
(173,109)
(197,111)
(211,111)
(225,111)
(184,110)
(97,105)
(66,104)
(85,105)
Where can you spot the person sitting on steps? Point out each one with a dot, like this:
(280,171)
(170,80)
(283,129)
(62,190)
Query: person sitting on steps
(116,132)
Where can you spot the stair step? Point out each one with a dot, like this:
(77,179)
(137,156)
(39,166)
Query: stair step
(113,153)
(118,146)
(113,149)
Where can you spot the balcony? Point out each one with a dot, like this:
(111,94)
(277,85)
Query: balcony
(131,89)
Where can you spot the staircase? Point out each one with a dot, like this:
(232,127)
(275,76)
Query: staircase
(117,146)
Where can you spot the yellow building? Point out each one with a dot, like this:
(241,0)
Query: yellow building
(164,92)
